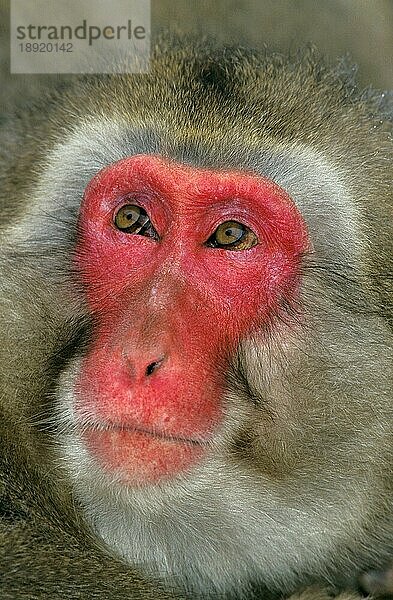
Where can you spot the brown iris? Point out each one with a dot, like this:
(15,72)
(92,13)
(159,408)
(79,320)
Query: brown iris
(232,235)
(131,218)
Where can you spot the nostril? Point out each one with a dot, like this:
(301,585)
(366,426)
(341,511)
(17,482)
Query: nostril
(153,366)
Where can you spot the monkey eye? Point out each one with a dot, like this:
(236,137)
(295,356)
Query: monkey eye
(134,219)
(232,235)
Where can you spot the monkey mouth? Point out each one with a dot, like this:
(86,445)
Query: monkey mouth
(141,456)
(166,436)
(153,433)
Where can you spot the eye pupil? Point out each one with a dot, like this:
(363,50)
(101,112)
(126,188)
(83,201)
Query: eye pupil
(234,234)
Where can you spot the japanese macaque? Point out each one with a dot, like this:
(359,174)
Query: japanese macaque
(196,333)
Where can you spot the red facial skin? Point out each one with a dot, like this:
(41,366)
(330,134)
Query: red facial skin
(176,302)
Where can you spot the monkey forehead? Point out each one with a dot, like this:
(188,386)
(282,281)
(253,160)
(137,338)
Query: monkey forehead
(185,187)
(172,176)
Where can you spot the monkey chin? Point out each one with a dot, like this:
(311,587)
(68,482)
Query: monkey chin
(140,457)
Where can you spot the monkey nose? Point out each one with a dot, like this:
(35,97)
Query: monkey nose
(142,364)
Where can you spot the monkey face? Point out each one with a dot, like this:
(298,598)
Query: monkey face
(168,255)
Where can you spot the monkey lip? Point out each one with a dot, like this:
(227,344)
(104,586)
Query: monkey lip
(141,456)
(113,427)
